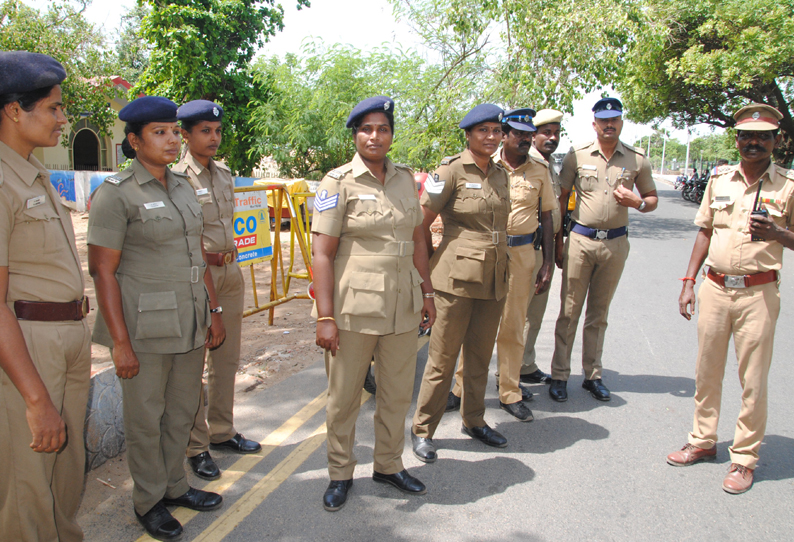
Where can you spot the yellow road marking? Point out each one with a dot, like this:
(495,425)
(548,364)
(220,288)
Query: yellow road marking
(249,502)
(243,465)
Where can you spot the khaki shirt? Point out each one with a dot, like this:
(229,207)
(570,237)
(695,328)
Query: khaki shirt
(726,207)
(36,234)
(215,192)
(556,219)
(376,287)
(595,178)
(161,273)
(528,182)
(474,208)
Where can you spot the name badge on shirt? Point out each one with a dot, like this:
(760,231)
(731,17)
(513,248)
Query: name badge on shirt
(474,185)
(590,167)
(154,205)
(35,202)
(364,197)
(202,191)
(722,199)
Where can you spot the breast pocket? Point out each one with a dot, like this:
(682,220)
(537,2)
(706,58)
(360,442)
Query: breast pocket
(158,223)
(722,209)
(626,178)
(777,213)
(412,210)
(588,179)
(365,213)
(521,191)
(469,265)
(41,229)
(365,295)
(470,201)
(194,222)
(158,316)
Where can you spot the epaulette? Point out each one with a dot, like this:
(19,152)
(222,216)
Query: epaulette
(787,173)
(221,165)
(340,172)
(119,177)
(641,152)
(581,146)
(403,166)
(179,173)
(722,170)
(541,161)
(449,159)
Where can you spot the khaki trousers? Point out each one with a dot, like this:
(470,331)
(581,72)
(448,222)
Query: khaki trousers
(592,270)
(215,423)
(510,338)
(750,315)
(535,312)
(160,405)
(41,492)
(395,370)
(467,327)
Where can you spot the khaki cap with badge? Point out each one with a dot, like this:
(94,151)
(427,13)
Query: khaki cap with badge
(757,118)
(547,116)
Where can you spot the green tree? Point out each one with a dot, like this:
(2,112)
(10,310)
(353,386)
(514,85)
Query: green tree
(63,33)
(131,49)
(202,49)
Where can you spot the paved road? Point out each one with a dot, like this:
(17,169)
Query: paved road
(583,470)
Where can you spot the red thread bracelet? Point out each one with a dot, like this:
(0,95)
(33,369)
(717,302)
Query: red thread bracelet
(688,278)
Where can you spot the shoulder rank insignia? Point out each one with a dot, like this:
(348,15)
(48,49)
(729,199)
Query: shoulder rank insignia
(581,146)
(434,185)
(323,202)
(113,179)
(448,159)
(120,177)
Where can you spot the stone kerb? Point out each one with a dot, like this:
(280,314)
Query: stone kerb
(104,420)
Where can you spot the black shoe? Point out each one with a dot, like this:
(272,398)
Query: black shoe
(336,494)
(196,499)
(597,389)
(204,467)
(239,444)
(559,390)
(538,377)
(486,435)
(526,395)
(424,449)
(453,402)
(402,481)
(160,524)
(518,410)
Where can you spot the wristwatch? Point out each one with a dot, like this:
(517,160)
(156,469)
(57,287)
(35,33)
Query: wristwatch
(642,206)
(217,310)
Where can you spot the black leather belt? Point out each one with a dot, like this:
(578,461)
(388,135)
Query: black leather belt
(599,234)
(520,240)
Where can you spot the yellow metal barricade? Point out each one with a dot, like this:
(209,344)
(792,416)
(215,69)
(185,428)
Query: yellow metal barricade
(278,194)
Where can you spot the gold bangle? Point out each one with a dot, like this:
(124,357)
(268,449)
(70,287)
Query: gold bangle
(324,318)
(431,295)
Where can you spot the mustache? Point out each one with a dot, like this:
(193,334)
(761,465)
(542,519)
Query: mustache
(757,148)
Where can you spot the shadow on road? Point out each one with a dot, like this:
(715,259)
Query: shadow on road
(776,459)
(549,434)
(677,386)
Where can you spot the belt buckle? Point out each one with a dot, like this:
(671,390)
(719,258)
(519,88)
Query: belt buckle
(734,281)
(601,234)
(495,237)
(228,258)
(195,270)
(85,308)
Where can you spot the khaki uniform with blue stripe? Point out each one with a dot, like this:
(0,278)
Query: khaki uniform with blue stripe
(593,266)
(748,314)
(40,492)
(469,272)
(377,306)
(215,191)
(166,309)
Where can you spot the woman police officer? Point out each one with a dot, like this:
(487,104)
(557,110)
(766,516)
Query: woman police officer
(45,347)
(371,283)
(470,275)
(146,255)
(201,122)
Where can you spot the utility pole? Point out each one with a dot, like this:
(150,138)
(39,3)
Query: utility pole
(664,149)
(686,164)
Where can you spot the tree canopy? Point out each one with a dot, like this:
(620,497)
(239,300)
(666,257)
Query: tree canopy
(63,33)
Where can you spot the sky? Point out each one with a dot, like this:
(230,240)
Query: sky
(365,24)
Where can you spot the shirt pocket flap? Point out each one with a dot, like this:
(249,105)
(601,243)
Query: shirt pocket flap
(719,205)
(774,212)
(469,252)
(158,316)
(195,207)
(157,302)
(41,212)
(156,214)
(367,281)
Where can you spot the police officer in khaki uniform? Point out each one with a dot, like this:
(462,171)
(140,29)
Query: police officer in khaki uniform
(530,187)
(739,296)
(156,302)
(372,286)
(470,276)
(45,347)
(544,143)
(604,173)
(201,122)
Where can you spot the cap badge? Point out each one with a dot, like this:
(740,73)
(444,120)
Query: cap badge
(386,106)
(609,106)
(756,115)
(215,111)
(499,117)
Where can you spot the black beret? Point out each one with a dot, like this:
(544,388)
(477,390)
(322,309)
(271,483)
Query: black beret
(482,113)
(381,104)
(149,109)
(21,71)
(200,110)
(606,108)
(520,119)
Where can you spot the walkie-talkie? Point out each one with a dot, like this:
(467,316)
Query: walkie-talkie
(756,211)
